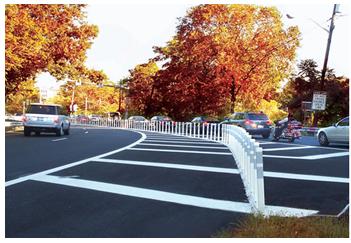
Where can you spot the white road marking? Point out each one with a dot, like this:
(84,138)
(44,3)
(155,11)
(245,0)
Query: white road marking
(60,139)
(179,198)
(168,197)
(180,151)
(287,148)
(25,178)
(309,157)
(182,146)
(182,142)
(172,166)
(305,177)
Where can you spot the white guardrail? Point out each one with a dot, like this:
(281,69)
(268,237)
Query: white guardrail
(246,152)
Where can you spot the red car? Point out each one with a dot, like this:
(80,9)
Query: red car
(296,124)
(82,118)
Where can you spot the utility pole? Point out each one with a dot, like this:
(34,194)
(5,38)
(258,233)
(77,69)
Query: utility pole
(335,10)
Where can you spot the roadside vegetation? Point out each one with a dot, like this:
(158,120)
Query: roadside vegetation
(251,226)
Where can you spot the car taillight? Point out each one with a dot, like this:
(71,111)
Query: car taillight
(56,120)
(268,122)
(24,118)
(248,122)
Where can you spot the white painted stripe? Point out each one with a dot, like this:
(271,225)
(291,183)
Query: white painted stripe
(305,177)
(179,151)
(25,178)
(170,197)
(177,139)
(181,146)
(172,166)
(60,139)
(147,194)
(172,141)
(287,148)
(297,146)
(310,157)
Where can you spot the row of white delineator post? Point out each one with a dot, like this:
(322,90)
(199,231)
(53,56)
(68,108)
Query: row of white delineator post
(247,153)
(249,159)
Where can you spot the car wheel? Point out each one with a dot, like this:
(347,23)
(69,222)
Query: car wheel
(266,135)
(26,131)
(59,131)
(323,139)
(67,130)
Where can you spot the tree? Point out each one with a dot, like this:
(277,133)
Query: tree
(98,100)
(46,38)
(222,53)
(301,86)
(142,87)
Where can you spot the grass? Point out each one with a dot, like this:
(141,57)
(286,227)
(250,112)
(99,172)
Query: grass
(251,226)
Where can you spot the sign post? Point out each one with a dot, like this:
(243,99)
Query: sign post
(319,100)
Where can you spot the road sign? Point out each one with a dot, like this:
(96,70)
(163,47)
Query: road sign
(319,100)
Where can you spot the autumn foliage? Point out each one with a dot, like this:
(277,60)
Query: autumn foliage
(46,38)
(223,54)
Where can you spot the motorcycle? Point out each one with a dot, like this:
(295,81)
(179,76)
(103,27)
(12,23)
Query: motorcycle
(289,132)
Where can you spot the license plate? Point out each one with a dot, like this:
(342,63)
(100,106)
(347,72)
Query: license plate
(260,126)
(40,119)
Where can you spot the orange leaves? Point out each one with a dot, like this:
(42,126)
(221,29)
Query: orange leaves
(226,52)
(45,38)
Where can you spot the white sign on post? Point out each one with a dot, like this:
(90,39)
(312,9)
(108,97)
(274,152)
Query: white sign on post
(319,100)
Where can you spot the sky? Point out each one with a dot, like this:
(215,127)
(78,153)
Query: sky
(127,33)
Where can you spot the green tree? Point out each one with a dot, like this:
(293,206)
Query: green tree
(301,86)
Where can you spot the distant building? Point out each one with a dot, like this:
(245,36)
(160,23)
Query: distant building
(48,93)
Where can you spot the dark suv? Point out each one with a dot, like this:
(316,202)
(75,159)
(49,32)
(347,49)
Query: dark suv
(255,123)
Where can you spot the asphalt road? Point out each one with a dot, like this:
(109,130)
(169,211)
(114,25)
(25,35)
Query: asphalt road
(100,182)
(75,186)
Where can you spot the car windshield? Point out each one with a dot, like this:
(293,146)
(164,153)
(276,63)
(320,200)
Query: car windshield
(258,116)
(41,109)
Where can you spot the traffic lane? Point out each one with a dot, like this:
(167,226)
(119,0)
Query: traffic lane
(334,167)
(329,198)
(305,140)
(297,159)
(28,155)
(222,161)
(36,209)
(221,186)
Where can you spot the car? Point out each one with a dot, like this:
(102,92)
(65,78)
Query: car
(137,119)
(82,118)
(17,117)
(255,123)
(8,117)
(204,124)
(46,118)
(94,117)
(204,120)
(161,119)
(296,124)
(338,133)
